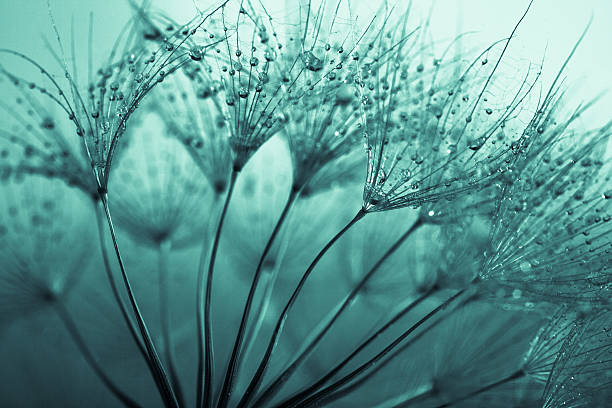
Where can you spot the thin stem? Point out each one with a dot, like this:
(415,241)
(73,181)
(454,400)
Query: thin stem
(296,399)
(381,364)
(258,377)
(232,368)
(163,383)
(113,284)
(164,316)
(264,303)
(286,374)
(205,349)
(372,362)
(72,329)
(430,393)
(516,375)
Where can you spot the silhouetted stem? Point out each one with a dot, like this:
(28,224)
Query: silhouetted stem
(232,368)
(164,316)
(286,374)
(72,329)
(381,364)
(516,375)
(205,349)
(113,284)
(257,378)
(296,399)
(260,315)
(372,362)
(163,383)
(416,398)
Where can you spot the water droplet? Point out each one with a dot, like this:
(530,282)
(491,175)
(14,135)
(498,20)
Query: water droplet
(525,266)
(195,54)
(607,194)
(489,111)
(269,56)
(47,123)
(344,96)
(476,143)
(311,62)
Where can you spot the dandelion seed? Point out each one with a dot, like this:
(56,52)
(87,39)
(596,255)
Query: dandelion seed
(422,140)
(580,375)
(36,274)
(541,219)
(156,193)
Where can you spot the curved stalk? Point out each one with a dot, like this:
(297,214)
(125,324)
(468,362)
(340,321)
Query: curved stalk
(516,375)
(418,398)
(72,329)
(163,383)
(286,374)
(381,364)
(232,368)
(205,349)
(113,285)
(258,377)
(317,397)
(264,303)
(164,316)
(298,398)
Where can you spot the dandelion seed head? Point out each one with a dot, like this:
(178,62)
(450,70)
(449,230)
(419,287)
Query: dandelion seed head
(190,110)
(580,375)
(37,230)
(427,135)
(549,237)
(157,194)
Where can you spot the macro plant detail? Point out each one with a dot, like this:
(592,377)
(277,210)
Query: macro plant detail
(318,203)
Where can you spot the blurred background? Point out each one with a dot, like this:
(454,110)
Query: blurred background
(547,35)
(548,32)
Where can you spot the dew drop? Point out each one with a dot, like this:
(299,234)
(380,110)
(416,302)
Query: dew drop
(195,54)
(311,62)
(47,123)
(476,143)
(525,266)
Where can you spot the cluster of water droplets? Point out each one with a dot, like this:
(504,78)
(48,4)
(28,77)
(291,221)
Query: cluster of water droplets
(551,229)
(434,127)
(582,372)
